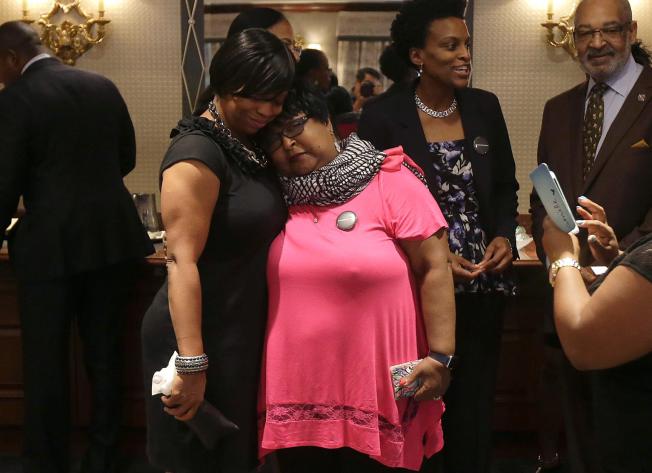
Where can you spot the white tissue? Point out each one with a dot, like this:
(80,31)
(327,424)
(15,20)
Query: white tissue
(162,380)
(598,270)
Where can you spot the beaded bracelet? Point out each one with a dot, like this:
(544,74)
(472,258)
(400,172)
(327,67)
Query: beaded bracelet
(191,364)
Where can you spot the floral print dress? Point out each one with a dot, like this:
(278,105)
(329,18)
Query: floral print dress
(455,193)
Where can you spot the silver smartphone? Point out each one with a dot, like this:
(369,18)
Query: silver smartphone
(553,200)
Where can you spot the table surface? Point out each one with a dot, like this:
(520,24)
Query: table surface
(158,258)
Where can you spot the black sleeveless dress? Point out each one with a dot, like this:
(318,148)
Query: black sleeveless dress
(623,394)
(249,213)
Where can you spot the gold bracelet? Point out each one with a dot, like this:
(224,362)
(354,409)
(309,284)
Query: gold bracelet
(562,263)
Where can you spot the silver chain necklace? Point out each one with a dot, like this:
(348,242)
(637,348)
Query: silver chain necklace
(255,156)
(434,113)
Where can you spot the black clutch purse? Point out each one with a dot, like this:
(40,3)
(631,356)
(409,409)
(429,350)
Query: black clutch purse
(210,425)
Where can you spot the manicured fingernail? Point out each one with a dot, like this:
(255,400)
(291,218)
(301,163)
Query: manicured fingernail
(581,198)
(402,382)
(579,222)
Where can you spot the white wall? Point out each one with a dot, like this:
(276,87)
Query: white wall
(317,27)
(141,54)
(510,58)
(142,51)
(314,27)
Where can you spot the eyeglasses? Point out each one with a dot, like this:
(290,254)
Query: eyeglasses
(608,33)
(293,45)
(271,141)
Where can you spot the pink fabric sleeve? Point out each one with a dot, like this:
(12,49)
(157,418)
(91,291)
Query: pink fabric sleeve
(411,212)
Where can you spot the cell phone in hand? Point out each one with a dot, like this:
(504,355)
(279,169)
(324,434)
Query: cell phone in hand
(553,199)
(399,372)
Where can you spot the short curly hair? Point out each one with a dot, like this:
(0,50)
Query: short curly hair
(306,99)
(410,27)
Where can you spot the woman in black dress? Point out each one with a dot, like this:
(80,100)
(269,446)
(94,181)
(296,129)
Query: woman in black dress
(457,135)
(607,328)
(221,207)
(258,17)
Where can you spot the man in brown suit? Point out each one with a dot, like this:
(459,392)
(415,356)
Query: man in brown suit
(620,178)
(597,138)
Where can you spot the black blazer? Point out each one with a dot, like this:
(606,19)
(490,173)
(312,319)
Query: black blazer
(66,141)
(394,121)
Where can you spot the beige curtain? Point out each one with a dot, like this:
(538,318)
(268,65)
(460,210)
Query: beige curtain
(361,37)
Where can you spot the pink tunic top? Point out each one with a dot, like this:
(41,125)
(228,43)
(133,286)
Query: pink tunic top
(343,308)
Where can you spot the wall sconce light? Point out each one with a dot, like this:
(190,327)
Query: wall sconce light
(560,33)
(69,40)
(299,41)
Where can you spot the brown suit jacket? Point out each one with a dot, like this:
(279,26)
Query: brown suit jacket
(621,178)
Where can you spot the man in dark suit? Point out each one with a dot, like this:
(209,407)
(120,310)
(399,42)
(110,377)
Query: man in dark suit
(596,137)
(66,142)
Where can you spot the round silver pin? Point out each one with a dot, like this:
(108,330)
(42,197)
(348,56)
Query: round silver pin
(346,221)
(481,145)
(642,97)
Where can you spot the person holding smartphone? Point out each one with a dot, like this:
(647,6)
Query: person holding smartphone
(607,328)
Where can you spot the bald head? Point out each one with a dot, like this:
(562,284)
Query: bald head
(19,37)
(624,8)
(18,44)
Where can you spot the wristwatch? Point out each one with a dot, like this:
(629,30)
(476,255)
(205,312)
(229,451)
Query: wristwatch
(562,263)
(449,361)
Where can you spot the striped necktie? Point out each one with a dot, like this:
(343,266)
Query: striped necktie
(593,119)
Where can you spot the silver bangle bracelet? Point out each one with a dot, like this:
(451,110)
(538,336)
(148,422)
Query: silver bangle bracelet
(191,364)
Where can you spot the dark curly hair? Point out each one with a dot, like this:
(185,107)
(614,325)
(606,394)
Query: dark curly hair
(310,59)
(410,27)
(393,66)
(303,98)
(641,53)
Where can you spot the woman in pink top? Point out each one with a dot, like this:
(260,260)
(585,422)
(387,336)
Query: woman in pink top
(358,282)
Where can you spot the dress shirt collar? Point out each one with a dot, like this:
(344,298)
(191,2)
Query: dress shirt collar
(623,81)
(33,60)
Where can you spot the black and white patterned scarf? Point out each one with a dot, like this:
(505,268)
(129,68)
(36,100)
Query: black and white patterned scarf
(342,179)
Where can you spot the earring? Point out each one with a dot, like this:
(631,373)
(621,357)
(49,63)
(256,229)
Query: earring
(420,70)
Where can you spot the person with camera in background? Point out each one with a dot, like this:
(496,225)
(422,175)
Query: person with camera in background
(367,84)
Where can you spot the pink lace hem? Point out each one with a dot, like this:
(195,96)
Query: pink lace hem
(286,413)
